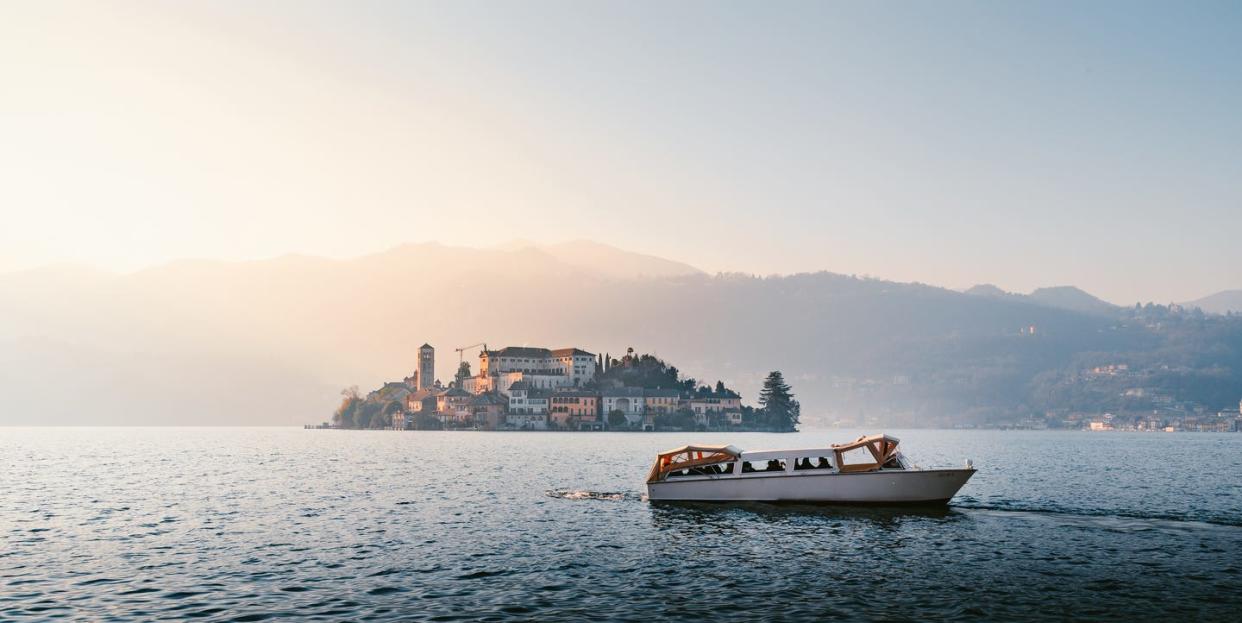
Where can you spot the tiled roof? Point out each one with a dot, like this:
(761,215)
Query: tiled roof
(535,352)
(725,395)
(423,394)
(662,393)
(519,351)
(565,352)
(485,399)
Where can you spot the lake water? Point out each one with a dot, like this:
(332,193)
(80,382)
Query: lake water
(255,524)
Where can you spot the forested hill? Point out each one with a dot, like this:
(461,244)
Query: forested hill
(272,342)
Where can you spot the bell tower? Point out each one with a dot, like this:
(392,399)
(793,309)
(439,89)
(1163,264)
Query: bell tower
(426,366)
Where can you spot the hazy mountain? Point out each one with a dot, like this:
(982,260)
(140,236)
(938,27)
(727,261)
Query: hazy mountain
(606,260)
(990,291)
(1219,303)
(1060,297)
(1071,298)
(274,341)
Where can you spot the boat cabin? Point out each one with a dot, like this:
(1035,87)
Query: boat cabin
(880,453)
(700,460)
(865,454)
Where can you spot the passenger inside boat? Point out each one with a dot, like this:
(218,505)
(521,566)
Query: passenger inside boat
(705,470)
(823,464)
(775,466)
(746,467)
(803,463)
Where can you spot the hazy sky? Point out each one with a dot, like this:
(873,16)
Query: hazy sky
(1023,144)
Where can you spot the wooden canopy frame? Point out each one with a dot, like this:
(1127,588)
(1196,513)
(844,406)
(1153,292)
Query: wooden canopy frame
(686,457)
(882,449)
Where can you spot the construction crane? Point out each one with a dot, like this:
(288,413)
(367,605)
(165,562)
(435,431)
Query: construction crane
(461,351)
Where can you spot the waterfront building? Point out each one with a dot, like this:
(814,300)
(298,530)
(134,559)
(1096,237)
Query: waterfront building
(574,409)
(716,407)
(524,399)
(402,421)
(528,408)
(627,400)
(454,404)
(716,403)
(422,401)
(661,401)
(526,421)
(488,411)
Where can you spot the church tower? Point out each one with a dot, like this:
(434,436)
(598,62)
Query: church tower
(426,366)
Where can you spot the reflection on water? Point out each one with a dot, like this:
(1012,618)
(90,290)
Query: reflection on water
(255,524)
(692,512)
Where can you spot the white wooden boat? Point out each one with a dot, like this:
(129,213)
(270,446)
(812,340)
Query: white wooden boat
(868,470)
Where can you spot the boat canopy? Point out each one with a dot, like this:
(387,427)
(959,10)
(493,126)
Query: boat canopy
(690,456)
(883,448)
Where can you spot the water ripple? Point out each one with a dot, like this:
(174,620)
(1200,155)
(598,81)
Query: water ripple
(275,524)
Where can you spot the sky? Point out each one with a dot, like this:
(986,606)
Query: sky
(953,143)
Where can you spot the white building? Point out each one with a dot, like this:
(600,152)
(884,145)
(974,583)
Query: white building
(540,368)
(528,408)
(627,400)
(574,363)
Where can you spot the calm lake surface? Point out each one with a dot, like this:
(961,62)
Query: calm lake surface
(249,524)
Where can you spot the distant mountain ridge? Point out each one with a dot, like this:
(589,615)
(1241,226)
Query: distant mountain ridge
(1219,303)
(612,262)
(1068,298)
(274,341)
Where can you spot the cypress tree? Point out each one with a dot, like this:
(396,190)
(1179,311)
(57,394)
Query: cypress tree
(780,409)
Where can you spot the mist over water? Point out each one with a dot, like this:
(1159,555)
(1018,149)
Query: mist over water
(251,524)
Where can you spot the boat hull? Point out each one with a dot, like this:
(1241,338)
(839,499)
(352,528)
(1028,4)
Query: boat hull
(933,486)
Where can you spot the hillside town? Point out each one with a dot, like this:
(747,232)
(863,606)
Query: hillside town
(1135,399)
(566,389)
(1106,397)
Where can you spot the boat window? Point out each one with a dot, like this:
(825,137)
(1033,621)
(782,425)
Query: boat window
(812,462)
(771,465)
(703,470)
(858,459)
(712,470)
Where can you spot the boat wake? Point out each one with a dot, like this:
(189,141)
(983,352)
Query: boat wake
(1115,519)
(581,494)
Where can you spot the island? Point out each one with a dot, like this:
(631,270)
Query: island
(520,388)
